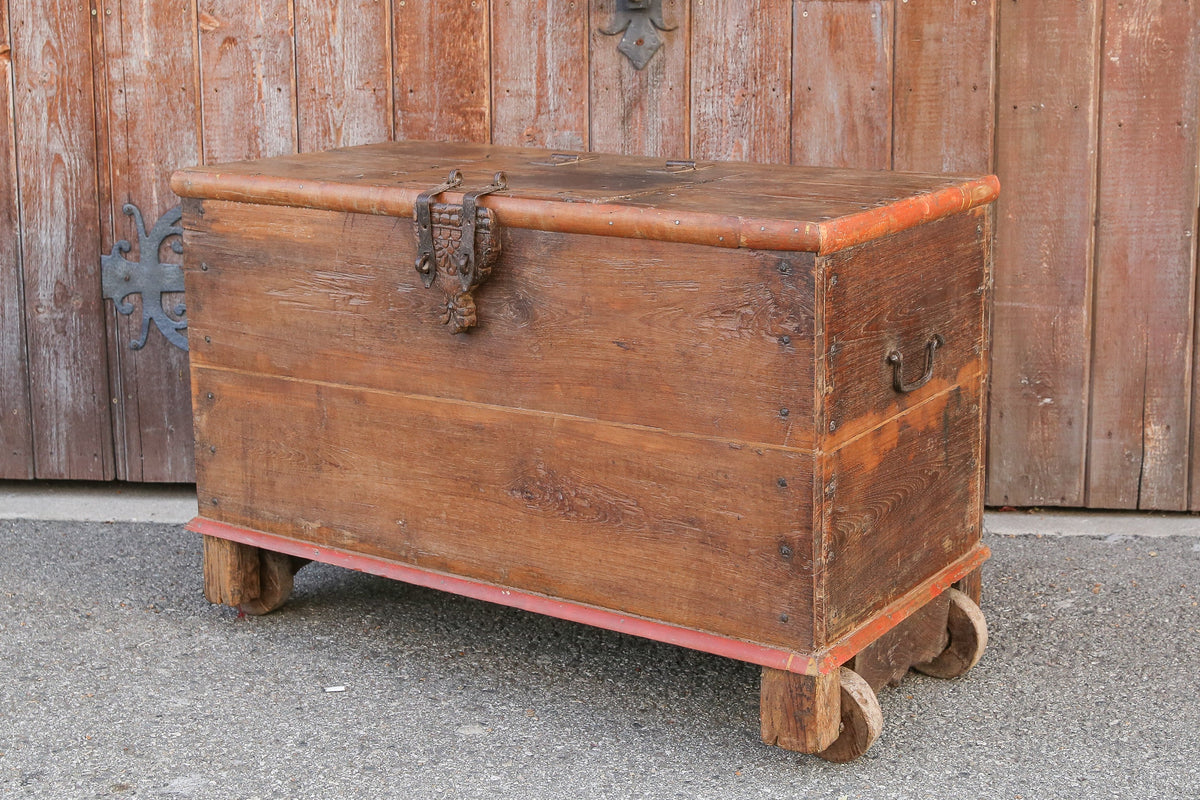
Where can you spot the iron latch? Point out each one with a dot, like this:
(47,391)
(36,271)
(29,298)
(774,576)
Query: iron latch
(457,246)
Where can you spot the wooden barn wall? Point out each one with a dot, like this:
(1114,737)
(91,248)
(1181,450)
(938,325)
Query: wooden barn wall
(1088,111)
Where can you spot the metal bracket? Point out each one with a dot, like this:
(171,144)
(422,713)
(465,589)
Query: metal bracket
(464,259)
(426,252)
(640,21)
(148,276)
(897,361)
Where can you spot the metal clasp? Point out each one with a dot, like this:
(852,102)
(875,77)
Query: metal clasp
(464,259)
(897,361)
(426,256)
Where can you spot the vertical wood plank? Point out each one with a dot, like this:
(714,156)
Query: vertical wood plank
(247,77)
(343,73)
(842,84)
(16,442)
(741,80)
(149,52)
(54,127)
(1145,256)
(943,116)
(640,112)
(1047,107)
(442,71)
(540,73)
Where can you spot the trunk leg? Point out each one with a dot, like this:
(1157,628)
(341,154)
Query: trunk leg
(800,712)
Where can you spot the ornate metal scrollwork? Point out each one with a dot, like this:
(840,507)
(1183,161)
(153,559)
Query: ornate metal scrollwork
(148,276)
(640,21)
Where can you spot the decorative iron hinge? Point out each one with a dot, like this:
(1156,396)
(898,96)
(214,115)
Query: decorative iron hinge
(148,276)
(640,21)
(457,246)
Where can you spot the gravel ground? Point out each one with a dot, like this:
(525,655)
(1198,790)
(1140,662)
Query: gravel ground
(117,679)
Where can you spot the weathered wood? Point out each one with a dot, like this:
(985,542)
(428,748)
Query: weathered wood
(16,436)
(800,712)
(231,575)
(247,79)
(1047,104)
(151,122)
(861,722)
(943,117)
(934,287)
(675,528)
(966,630)
(55,133)
(842,84)
(1145,256)
(904,494)
(918,639)
(640,112)
(972,585)
(600,324)
(343,73)
(540,73)
(741,81)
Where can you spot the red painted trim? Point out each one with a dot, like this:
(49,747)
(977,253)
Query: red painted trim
(762,655)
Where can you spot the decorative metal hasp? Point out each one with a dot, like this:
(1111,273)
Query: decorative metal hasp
(148,276)
(640,21)
(457,246)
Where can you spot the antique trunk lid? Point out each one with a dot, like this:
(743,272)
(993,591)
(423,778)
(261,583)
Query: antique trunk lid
(723,204)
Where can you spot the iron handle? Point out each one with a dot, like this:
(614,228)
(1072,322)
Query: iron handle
(897,361)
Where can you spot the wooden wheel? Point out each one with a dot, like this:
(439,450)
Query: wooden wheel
(967,630)
(275,573)
(862,720)
(254,580)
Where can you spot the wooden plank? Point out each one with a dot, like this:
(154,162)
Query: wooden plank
(540,73)
(902,502)
(920,638)
(1145,256)
(442,71)
(933,286)
(16,435)
(1047,112)
(247,79)
(554,505)
(343,73)
(601,325)
(54,127)
(646,111)
(842,84)
(149,53)
(741,81)
(943,116)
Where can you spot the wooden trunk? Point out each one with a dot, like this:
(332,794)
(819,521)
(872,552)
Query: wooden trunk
(678,413)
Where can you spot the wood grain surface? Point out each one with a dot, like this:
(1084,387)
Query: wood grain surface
(918,639)
(442,71)
(902,503)
(799,712)
(580,325)
(151,391)
(641,112)
(343,73)
(741,81)
(55,127)
(16,437)
(676,528)
(943,118)
(1046,112)
(842,84)
(1145,257)
(247,78)
(540,73)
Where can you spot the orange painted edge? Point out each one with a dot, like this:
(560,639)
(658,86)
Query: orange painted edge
(602,219)
(899,610)
(762,655)
(843,232)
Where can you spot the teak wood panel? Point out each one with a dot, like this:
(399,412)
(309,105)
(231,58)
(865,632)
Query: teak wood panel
(1046,115)
(902,502)
(16,434)
(708,341)
(150,387)
(681,529)
(896,294)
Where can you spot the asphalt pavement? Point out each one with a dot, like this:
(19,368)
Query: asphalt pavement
(117,679)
